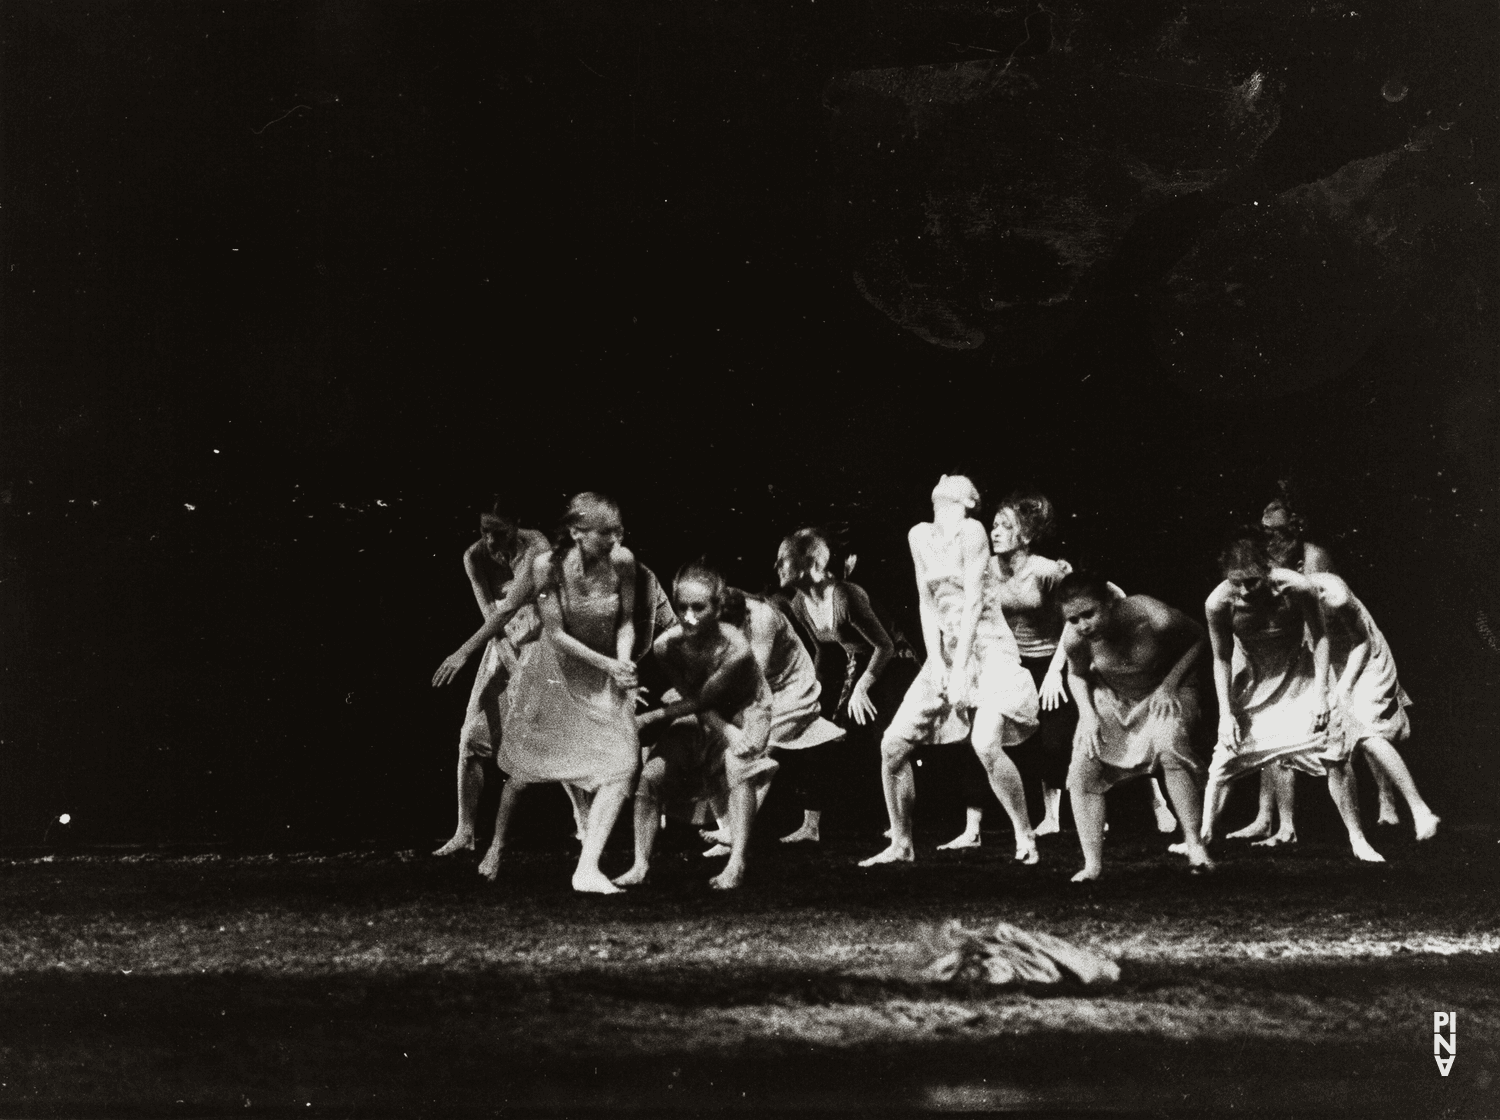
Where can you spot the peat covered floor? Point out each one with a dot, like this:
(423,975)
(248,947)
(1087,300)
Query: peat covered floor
(373,983)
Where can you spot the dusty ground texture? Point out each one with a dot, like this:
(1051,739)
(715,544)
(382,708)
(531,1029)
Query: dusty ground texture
(369,984)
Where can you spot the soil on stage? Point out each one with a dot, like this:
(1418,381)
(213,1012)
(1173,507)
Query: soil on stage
(392,983)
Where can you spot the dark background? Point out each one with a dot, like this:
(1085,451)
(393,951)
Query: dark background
(291,290)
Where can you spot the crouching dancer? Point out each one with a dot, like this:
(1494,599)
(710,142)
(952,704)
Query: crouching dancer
(715,746)
(1128,662)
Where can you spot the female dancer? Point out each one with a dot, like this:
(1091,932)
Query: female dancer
(1369,702)
(796,726)
(570,716)
(499,569)
(844,627)
(1271,674)
(715,746)
(972,683)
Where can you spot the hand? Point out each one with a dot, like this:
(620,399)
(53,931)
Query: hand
(452,665)
(861,707)
(1229,732)
(1164,704)
(1320,713)
(1088,735)
(1053,695)
(646,719)
(623,674)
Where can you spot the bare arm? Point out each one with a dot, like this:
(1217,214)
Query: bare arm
(521,591)
(862,618)
(1301,592)
(478,580)
(1218,611)
(1337,602)
(926,608)
(729,687)
(976,557)
(1080,660)
(624,565)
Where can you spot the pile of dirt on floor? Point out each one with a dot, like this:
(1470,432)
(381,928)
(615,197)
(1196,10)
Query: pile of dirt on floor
(1009,955)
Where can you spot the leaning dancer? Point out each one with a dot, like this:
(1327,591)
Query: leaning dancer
(1284,532)
(499,569)
(796,726)
(1369,703)
(570,715)
(1128,662)
(972,683)
(715,746)
(846,632)
(1271,675)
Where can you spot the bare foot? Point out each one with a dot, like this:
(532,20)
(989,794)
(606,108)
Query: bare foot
(728,879)
(1165,821)
(1427,825)
(803,835)
(963,840)
(489,866)
(896,853)
(1026,850)
(1200,865)
(1388,813)
(717,851)
(1362,850)
(715,835)
(1178,849)
(1087,875)
(461,842)
(1257,829)
(1048,827)
(593,882)
(634,877)
(1282,837)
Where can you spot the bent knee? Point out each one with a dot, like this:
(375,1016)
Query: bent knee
(895,750)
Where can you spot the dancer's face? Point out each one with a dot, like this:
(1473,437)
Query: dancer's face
(1280,536)
(1089,617)
(697,607)
(1248,587)
(1006,534)
(598,532)
(497,544)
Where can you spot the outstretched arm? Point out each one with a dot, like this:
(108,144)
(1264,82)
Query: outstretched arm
(521,591)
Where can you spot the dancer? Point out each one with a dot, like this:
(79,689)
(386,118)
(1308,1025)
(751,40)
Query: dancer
(1370,705)
(796,726)
(570,716)
(498,565)
(1284,538)
(844,627)
(1271,675)
(972,683)
(1128,662)
(715,746)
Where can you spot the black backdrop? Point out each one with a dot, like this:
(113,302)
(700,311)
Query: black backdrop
(290,290)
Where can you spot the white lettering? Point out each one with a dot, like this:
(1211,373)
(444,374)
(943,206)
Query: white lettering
(1440,1044)
(1441,1019)
(1444,1065)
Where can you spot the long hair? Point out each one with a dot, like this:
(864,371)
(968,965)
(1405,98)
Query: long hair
(1034,514)
(579,507)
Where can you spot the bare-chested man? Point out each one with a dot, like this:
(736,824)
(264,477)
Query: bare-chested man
(499,569)
(716,746)
(1128,663)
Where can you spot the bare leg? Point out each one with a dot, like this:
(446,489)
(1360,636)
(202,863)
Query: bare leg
(489,867)
(1165,821)
(647,821)
(1214,796)
(1384,757)
(1052,811)
(581,800)
(1005,779)
(900,798)
(1088,814)
(1284,791)
(743,802)
(1261,826)
(601,821)
(1187,801)
(470,785)
(1341,789)
(969,837)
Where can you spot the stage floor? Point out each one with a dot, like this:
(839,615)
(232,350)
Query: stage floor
(364,984)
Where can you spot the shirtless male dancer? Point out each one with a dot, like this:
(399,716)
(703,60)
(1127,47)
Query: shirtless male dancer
(498,566)
(1128,663)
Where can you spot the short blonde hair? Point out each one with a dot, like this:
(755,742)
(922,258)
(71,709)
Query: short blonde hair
(956,488)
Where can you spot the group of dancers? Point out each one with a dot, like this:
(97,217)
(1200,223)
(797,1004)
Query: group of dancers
(1022,653)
